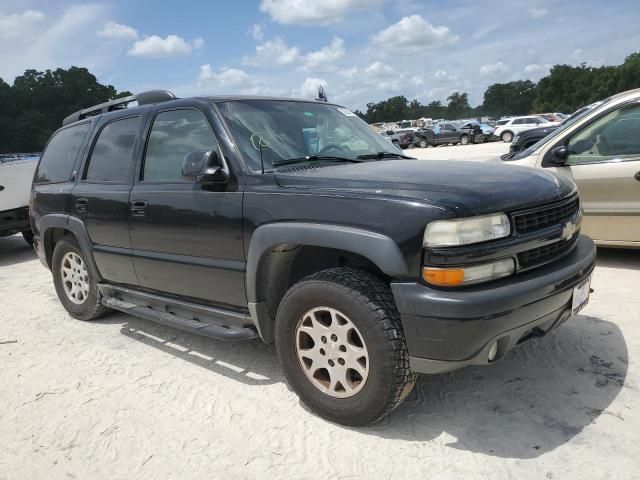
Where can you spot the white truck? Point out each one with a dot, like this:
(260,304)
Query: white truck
(16,175)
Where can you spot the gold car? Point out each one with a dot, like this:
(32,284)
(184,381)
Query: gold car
(600,151)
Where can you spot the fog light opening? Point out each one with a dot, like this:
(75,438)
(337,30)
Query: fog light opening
(493,351)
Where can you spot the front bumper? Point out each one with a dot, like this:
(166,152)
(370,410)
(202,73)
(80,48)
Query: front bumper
(450,329)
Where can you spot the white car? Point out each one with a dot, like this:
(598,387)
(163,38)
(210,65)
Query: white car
(516,125)
(600,150)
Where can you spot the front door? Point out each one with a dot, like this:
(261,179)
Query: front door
(101,197)
(187,239)
(604,161)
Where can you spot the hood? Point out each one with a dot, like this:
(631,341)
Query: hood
(468,188)
(540,131)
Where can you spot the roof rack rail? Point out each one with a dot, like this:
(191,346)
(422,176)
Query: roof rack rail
(143,98)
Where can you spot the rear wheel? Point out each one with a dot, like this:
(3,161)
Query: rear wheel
(342,348)
(75,286)
(506,137)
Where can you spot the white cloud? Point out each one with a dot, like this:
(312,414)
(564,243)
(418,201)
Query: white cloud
(326,58)
(256,31)
(309,88)
(19,23)
(494,69)
(305,12)
(533,68)
(170,46)
(378,69)
(117,31)
(273,53)
(348,72)
(224,78)
(577,52)
(412,32)
(536,13)
(484,31)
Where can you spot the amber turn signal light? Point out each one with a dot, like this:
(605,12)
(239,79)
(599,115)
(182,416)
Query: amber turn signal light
(443,277)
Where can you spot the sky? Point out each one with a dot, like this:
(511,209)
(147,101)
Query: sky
(361,50)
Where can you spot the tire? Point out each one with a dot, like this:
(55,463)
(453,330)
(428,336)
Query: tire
(423,144)
(85,304)
(28,237)
(464,140)
(363,307)
(506,137)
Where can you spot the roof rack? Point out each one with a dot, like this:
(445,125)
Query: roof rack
(143,98)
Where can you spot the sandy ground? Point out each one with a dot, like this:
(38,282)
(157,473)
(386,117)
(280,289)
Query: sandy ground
(123,398)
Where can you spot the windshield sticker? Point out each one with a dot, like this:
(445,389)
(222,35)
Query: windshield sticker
(308,114)
(346,111)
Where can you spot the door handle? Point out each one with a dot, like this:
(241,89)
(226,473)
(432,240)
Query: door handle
(81,205)
(637,176)
(138,208)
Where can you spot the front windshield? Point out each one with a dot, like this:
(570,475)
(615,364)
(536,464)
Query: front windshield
(581,113)
(285,132)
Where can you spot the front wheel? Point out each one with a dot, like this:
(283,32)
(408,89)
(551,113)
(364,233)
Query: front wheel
(341,345)
(464,140)
(423,144)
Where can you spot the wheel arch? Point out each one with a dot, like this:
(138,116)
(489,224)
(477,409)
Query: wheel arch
(282,253)
(53,227)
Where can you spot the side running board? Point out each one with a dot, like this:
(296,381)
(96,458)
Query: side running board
(182,323)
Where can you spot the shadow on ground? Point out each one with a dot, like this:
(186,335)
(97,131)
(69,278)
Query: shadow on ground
(618,258)
(539,397)
(14,250)
(251,362)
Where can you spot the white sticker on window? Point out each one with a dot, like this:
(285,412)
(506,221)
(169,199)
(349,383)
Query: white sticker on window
(346,111)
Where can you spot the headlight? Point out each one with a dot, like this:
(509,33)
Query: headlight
(450,233)
(457,276)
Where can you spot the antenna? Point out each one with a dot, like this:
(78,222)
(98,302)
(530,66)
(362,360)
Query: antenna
(322,95)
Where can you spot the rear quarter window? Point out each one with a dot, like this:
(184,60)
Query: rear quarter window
(113,152)
(60,154)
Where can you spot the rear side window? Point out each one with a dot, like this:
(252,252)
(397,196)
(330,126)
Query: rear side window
(174,134)
(112,154)
(60,155)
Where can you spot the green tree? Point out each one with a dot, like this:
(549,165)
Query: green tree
(37,103)
(515,98)
(458,106)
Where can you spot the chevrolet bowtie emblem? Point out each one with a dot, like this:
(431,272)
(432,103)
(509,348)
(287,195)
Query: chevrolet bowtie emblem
(568,230)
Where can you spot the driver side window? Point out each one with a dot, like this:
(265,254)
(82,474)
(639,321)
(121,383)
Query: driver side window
(613,138)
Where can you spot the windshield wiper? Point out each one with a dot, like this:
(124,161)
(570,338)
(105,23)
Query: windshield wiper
(313,158)
(370,156)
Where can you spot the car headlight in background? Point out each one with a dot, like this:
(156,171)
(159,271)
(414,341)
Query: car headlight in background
(458,276)
(465,231)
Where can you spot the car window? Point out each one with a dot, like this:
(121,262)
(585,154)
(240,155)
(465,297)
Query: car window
(518,121)
(112,154)
(174,134)
(613,138)
(60,155)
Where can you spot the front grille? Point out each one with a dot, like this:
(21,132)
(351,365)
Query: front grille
(550,215)
(538,256)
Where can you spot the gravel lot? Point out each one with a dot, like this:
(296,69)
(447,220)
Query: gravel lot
(125,398)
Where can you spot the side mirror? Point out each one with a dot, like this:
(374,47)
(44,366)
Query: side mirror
(560,155)
(205,168)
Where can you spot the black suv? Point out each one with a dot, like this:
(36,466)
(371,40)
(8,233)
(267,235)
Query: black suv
(292,221)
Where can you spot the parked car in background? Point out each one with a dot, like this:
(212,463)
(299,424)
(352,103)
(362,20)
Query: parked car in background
(486,129)
(600,151)
(16,174)
(527,138)
(513,126)
(551,117)
(443,134)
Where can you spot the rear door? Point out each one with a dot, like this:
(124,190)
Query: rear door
(187,238)
(604,161)
(101,197)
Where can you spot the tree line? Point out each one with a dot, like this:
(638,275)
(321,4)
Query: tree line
(33,107)
(565,89)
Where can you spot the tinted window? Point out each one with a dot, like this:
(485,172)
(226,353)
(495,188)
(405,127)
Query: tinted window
(614,137)
(173,135)
(112,154)
(61,153)
(518,121)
